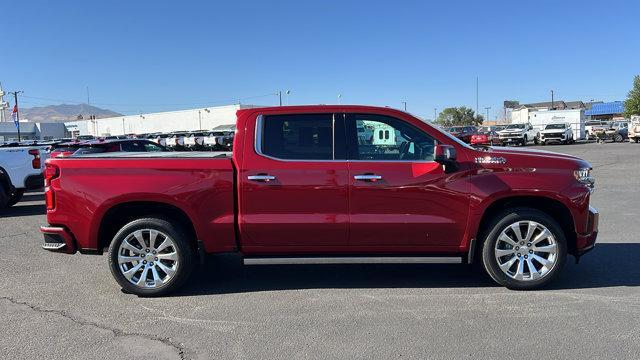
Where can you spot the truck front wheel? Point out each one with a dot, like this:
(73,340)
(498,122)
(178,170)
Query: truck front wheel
(150,257)
(524,249)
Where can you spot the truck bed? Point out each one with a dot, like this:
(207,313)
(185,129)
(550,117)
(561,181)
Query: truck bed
(198,185)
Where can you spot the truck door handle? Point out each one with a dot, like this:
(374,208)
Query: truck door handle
(261,178)
(368,177)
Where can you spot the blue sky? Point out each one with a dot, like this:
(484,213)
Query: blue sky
(142,56)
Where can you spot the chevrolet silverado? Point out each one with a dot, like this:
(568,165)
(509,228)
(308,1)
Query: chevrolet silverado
(302,185)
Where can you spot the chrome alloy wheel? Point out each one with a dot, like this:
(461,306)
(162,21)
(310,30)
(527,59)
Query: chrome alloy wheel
(148,258)
(526,251)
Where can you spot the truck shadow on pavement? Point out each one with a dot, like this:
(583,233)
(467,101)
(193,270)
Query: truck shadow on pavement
(23,210)
(606,266)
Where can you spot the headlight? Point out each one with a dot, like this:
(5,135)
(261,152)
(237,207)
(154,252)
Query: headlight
(583,176)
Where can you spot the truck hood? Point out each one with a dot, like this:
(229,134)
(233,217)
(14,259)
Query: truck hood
(530,158)
(552,131)
(531,152)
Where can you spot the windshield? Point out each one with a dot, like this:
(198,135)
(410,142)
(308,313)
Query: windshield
(515,126)
(554,126)
(456,129)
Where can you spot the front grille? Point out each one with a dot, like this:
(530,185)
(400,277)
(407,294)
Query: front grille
(510,136)
(553,136)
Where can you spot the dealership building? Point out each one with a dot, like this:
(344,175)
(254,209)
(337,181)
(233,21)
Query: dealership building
(170,121)
(607,111)
(32,131)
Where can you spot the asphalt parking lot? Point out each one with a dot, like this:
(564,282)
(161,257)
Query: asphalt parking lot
(61,306)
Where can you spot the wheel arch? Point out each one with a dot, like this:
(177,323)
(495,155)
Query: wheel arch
(121,214)
(555,208)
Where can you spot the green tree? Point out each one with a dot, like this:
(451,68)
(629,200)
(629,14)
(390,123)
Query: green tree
(459,116)
(632,104)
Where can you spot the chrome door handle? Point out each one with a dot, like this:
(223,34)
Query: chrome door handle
(261,177)
(367,177)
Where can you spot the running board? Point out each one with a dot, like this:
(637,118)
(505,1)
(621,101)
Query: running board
(353,260)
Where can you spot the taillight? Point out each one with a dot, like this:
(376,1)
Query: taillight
(50,172)
(49,198)
(35,163)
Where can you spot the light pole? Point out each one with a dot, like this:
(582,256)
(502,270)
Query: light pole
(488,108)
(279,93)
(435,114)
(340,99)
(405,105)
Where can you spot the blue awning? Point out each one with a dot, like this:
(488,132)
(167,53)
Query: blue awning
(610,108)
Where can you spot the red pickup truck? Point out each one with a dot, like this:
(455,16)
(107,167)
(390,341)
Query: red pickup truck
(324,184)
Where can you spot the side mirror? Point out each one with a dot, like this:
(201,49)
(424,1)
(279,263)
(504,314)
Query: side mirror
(446,156)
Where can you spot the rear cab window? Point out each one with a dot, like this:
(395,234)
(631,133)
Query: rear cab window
(297,136)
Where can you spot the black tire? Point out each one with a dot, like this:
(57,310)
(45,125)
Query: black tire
(636,140)
(4,198)
(618,138)
(15,198)
(536,140)
(524,141)
(185,254)
(499,223)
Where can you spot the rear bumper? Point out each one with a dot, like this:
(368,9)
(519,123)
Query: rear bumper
(58,239)
(586,242)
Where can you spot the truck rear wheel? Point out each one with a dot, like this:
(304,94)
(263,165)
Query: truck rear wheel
(151,257)
(15,197)
(525,249)
(4,197)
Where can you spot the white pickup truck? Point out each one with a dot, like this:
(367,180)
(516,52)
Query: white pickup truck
(21,169)
(518,134)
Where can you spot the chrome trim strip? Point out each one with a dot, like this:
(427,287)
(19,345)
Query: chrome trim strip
(367,177)
(51,228)
(353,260)
(266,178)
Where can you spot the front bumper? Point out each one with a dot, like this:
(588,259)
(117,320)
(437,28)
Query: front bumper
(553,137)
(511,138)
(58,239)
(585,242)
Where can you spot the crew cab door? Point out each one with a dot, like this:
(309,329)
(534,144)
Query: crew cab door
(400,198)
(294,184)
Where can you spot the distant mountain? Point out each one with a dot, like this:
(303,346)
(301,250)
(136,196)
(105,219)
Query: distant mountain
(64,112)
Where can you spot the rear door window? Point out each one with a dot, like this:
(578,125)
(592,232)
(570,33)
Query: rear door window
(298,137)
